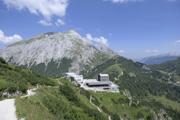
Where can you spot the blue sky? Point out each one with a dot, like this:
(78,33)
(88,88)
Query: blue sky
(134,28)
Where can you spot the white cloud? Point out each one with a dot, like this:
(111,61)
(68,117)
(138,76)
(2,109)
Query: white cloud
(121,51)
(46,8)
(60,22)
(122,1)
(100,39)
(89,36)
(178,42)
(45,23)
(151,51)
(9,39)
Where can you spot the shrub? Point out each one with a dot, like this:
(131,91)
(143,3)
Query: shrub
(12,88)
(139,115)
(3,84)
(69,93)
(2,60)
(23,88)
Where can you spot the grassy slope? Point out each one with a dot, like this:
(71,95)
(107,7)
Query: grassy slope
(13,78)
(68,102)
(31,109)
(71,103)
(167,102)
(53,103)
(138,79)
(172,67)
(141,82)
(118,105)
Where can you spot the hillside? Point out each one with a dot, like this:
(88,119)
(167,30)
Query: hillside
(158,59)
(53,54)
(146,92)
(139,97)
(138,78)
(13,78)
(68,102)
(65,102)
(171,67)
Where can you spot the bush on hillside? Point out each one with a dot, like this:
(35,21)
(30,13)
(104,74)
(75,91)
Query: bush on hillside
(13,78)
(69,92)
(2,60)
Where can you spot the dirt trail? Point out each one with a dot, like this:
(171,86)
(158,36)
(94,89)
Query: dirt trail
(98,108)
(8,109)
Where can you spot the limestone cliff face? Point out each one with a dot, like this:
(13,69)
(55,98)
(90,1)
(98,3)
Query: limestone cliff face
(58,52)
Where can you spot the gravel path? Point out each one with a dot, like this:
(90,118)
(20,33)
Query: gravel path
(8,110)
(94,104)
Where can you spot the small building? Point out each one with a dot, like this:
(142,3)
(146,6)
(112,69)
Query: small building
(98,84)
(95,85)
(74,77)
(101,84)
(103,77)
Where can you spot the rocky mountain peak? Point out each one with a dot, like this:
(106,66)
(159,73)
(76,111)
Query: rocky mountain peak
(50,49)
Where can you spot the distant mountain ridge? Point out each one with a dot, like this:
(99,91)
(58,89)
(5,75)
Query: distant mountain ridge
(54,53)
(172,68)
(159,59)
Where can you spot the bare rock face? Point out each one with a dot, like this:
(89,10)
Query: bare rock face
(55,53)
(128,95)
(161,115)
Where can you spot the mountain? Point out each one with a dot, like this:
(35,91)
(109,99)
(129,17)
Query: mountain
(141,80)
(60,99)
(55,53)
(147,85)
(171,67)
(158,59)
(146,91)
